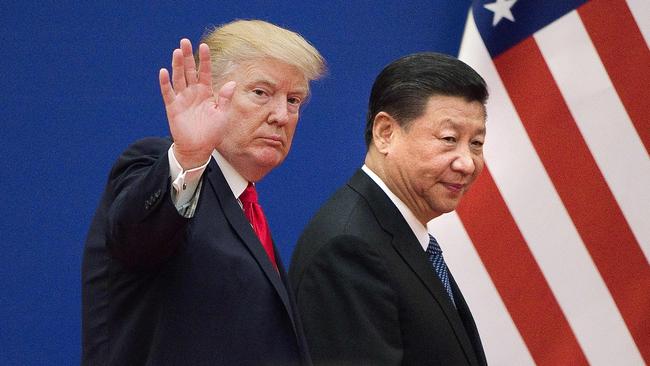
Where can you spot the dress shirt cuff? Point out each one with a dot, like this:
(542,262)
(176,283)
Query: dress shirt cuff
(184,183)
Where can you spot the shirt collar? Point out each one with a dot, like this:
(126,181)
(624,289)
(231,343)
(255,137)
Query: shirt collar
(416,226)
(235,181)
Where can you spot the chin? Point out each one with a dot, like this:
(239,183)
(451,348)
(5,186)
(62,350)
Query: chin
(270,161)
(444,207)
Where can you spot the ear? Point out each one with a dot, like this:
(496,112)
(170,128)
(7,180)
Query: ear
(384,128)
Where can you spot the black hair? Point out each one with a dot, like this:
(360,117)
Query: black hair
(403,88)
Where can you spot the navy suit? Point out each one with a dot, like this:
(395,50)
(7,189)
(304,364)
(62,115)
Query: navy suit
(367,294)
(161,289)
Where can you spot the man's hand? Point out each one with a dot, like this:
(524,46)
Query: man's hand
(196,118)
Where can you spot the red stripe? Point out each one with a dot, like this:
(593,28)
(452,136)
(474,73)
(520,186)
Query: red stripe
(517,276)
(626,57)
(580,185)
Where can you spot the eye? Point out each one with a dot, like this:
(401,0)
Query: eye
(259,92)
(294,100)
(450,139)
(477,144)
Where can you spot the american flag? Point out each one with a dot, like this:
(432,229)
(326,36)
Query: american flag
(551,245)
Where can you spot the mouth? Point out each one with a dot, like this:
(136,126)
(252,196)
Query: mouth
(455,187)
(273,140)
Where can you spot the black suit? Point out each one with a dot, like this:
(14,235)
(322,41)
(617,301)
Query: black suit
(161,289)
(367,294)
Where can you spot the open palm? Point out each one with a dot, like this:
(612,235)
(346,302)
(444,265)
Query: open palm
(196,117)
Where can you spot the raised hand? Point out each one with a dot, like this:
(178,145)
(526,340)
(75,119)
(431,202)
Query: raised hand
(196,117)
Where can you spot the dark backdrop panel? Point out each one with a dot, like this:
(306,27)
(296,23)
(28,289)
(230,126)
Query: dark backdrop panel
(80,83)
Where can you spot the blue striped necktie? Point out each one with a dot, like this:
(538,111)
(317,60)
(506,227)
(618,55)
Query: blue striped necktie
(438,263)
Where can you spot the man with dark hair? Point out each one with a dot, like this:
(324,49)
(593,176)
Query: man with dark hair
(371,284)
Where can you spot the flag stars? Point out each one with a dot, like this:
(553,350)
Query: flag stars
(501,9)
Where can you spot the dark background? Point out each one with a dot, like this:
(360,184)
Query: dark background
(80,83)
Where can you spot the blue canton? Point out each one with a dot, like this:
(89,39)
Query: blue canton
(529,17)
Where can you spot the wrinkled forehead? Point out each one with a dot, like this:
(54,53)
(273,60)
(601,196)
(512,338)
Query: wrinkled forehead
(458,104)
(268,71)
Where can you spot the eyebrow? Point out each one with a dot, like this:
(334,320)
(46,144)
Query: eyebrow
(272,84)
(453,124)
(264,81)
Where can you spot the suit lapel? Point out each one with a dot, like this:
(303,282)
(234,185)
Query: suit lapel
(242,227)
(297,325)
(468,321)
(410,250)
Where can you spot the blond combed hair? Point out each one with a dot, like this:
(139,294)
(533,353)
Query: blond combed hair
(249,40)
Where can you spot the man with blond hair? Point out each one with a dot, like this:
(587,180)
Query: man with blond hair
(179,266)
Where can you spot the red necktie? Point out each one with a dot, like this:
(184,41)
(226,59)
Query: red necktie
(255,215)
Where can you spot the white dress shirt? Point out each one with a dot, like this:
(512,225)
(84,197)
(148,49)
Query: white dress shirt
(186,185)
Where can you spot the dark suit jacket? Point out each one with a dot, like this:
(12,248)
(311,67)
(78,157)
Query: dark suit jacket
(160,289)
(367,294)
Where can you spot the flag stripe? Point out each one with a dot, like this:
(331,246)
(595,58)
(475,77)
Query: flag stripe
(535,204)
(609,134)
(579,183)
(517,276)
(501,340)
(640,10)
(625,55)
(538,211)
(601,119)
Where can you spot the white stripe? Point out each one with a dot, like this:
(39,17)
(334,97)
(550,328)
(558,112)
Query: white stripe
(546,226)
(641,12)
(502,342)
(601,118)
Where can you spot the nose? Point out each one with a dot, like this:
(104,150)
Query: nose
(464,162)
(279,112)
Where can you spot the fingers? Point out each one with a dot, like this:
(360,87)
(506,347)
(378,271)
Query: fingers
(178,71)
(184,71)
(166,90)
(183,66)
(227,90)
(225,95)
(205,68)
(188,61)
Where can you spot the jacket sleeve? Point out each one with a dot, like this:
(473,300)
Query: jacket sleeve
(143,226)
(348,307)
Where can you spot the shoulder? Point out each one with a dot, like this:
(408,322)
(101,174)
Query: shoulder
(143,152)
(342,209)
(148,146)
(343,231)
(343,256)
(345,213)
